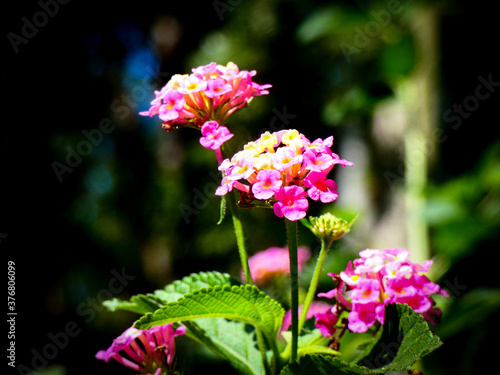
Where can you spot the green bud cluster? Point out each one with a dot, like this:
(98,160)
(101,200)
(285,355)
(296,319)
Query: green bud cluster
(329,227)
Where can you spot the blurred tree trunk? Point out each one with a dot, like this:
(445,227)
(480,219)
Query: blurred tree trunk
(420,96)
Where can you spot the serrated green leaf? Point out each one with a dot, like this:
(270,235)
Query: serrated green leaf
(231,341)
(405,338)
(246,304)
(193,282)
(144,303)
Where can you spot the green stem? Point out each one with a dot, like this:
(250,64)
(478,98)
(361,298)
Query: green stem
(262,349)
(240,238)
(238,228)
(291,230)
(311,293)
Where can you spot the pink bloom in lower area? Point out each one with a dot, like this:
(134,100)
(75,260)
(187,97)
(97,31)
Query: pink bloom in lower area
(147,352)
(326,321)
(291,203)
(316,308)
(272,262)
(268,182)
(366,291)
(379,278)
(363,316)
(214,135)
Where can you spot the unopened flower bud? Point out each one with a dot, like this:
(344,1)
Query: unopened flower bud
(329,227)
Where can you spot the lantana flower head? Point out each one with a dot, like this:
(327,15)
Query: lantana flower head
(145,351)
(211,92)
(275,261)
(377,279)
(282,170)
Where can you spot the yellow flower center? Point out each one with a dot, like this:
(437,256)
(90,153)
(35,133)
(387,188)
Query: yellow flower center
(366,293)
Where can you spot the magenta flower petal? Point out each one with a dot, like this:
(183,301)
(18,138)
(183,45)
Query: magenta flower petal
(144,351)
(214,135)
(269,182)
(325,321)
(292,203)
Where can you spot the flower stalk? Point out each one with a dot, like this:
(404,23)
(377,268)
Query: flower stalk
(292,236)
(328,228)
(311,293)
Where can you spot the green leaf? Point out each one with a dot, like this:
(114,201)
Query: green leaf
(195,281)
(222,210)
(144,303)
(404,339)
(311,343)
(230,340)
(246,304)
(139,304)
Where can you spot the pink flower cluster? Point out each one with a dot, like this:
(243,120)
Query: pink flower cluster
(147,352)
(284,169)
(211,92)
(380,277)
(274,261)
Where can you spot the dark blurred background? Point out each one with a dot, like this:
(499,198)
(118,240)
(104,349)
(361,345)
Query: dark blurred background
(91,190)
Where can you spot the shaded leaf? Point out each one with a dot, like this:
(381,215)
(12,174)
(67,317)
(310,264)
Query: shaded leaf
(246,304)
(404,339)
(147,303)
(230,340)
